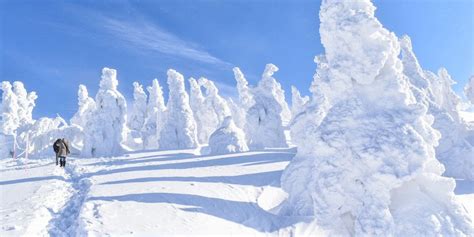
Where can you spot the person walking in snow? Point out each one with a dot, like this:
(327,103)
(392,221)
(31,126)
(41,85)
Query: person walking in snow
(61,148)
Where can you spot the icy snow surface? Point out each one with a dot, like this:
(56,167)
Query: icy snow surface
(158,193)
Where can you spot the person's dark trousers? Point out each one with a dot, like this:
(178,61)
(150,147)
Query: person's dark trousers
(62,161)
(57,159)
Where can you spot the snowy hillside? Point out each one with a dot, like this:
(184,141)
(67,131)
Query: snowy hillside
(168,193)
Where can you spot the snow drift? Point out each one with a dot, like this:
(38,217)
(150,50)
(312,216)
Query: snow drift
(372,158)
(227,139)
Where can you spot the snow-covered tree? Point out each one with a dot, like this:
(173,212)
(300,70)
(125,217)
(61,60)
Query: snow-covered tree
(455,150)
(206,118)
(469,90)
(155,116)
(264,127)
(239,108)
(228,138)
(277,91)
(245,96)
(106,131)
(9,121)
(26,102)
(86,107)
(371,168)
(297,101)
(238,112)
(179,130)
(214,101)
(305,124)
(137,116)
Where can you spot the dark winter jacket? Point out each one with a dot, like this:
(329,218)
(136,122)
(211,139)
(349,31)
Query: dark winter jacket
(61,147)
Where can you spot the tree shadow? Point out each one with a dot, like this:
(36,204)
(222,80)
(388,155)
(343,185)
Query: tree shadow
(149,158)
(221,160)
(33,179)
(256,179)
(245,213)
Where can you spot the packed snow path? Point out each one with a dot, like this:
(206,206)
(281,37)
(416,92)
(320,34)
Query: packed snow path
(161,193)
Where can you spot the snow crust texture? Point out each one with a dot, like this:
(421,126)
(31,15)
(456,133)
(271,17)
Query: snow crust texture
(372,157)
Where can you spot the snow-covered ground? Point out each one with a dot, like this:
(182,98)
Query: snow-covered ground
(164,193)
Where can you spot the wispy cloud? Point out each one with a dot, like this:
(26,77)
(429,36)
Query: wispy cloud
(145,35)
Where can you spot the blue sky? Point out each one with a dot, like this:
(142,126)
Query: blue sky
(53,46)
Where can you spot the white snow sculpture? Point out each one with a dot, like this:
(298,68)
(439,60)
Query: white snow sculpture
(138,113)
(205,116)
(106,131)
(238,112)
(277,91)
(179,130)
(86,107)
(264,126)
(227,139)
(26,102)
(214,100)
(455,149)
(9,121)
(155,116)
(297,101)
(371,167)
(245,96)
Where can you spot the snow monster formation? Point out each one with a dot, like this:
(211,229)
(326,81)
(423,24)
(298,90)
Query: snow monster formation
(227,139)
(455,150)
(105,132)
(206,118)
(264,126)
(371,168)
(155,114)
(86,107)
(138,113)
(179,130)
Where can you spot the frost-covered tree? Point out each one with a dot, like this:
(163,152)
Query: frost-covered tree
(371,168)
(297,101)
(238,112)
(455,150)
(305,124)
(239,108)
(214,101)
(179,130)
(155,116)
(26,102)
(9,121)
(45,131)
(228,138)
(245,96)
(469,90)
(105,132)
(86,107)
(264,127)
(277,91)
(137,116)
(206,118)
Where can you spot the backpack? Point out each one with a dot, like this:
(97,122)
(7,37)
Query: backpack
(56,145)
